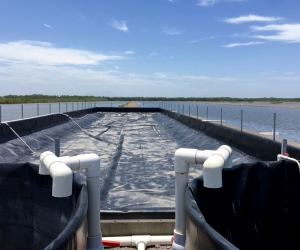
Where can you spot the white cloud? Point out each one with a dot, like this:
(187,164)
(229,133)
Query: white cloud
(84,19)
(232,45)
(48,26)
(47,54)
(288,78)
(129,52)
(283,32)
(153,54)
(206,3)
(172,76)
(173,31)
(252,18)
(120,25)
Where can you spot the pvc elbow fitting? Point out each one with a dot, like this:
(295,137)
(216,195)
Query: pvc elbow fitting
(62,180)
(62,175)
(184,157)
(212,167)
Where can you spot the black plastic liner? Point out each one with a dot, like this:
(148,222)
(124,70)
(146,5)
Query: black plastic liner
(258,207)
(262,148)
(31,218)
(136,151)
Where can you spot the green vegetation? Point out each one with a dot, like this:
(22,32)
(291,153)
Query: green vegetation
(123,105)
(37,98)
(11,99)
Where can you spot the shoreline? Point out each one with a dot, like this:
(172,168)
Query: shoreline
(295,105)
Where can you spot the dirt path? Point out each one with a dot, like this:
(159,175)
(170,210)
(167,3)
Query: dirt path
(132,104)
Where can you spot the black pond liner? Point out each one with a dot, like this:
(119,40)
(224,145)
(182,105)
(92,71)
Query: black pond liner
(258,207)
(31,218)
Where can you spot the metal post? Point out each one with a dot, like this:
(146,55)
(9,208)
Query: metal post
(197,112)
(22,110)
(82,105)
(72,106)
(178,108)
(111,104)
(59,107)
(221,117)
(189,110)
(242,120)
(274,127)
(207,113)
(57,147)
(183,109)
(77,105)
(38,110)
(66,107)
(171,107)
(0,114)
(284,146)
(49,108)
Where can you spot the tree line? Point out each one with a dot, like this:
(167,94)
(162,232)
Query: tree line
(38,98)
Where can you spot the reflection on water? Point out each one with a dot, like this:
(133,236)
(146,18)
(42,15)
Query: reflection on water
(11,112)
(256,118)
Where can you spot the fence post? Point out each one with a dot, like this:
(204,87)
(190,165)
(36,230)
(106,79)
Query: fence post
(38,110)
(284,146)
(0,115)
(178,108)
(72,106)
(22,110)
(242,120)
(197,112)
(274,128)
(57,147)
(183,109)
(49,108)
(59,107)
(207,113)
(189,110)
(221,117)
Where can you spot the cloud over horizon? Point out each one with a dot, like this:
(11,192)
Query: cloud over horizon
(38,52)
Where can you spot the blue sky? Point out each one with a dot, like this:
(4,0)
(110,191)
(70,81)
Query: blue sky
(189,48)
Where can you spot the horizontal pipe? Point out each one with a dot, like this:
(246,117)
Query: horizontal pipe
(135,239)
(284,157)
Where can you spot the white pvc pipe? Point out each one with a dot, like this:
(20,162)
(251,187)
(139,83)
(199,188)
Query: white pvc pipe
(212,167)
(140,241)
(62,175)
(183,157)
(91,164)
(284,157)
